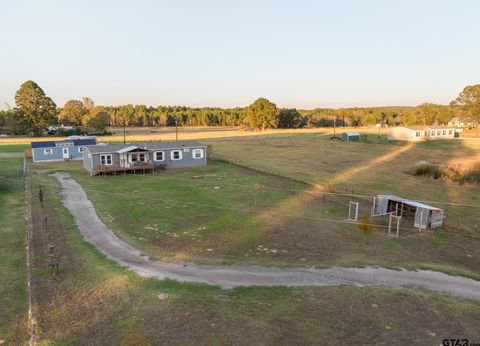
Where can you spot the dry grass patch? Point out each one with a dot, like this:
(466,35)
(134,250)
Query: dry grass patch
(181,217)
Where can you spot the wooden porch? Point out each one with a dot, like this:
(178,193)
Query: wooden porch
(133,168)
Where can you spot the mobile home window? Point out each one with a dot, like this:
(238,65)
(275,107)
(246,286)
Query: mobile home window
(444,132)
(176,155)
(159,156)
(432,133)
(197,153)
(141,157)
(417,134)
(439,133)
(47,151)
(106,160)
(450,132)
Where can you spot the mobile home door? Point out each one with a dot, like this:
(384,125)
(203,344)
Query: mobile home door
(65,153)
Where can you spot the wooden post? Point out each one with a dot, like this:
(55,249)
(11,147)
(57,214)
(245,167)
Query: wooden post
(398,226)
(176,129)
(420,224)
(334,126)
(389,222)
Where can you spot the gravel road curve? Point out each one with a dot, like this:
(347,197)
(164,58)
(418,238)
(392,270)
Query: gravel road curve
(99,235)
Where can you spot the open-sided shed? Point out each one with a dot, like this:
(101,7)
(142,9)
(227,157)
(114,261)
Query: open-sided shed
(425,216)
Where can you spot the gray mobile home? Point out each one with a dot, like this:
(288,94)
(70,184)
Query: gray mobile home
(68,149)
(100,159)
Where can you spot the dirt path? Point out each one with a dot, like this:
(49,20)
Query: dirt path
(96,233)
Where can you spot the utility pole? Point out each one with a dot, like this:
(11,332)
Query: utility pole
(124,130)
(176,129)
(334,127)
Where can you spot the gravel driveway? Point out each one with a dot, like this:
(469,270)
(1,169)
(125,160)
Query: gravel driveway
(97,233)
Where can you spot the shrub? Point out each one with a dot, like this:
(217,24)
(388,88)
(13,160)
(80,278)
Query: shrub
(449,174)
(446,173)
(473,174)
(160,168)
(425,168)
(365,227)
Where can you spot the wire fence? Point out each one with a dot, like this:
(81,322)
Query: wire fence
(153,201)
(206,181)
(316,189)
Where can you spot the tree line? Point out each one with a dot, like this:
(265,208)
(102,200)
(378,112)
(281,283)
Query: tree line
(35,111)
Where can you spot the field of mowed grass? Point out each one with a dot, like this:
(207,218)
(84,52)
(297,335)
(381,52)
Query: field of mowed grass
(139,134)
(90,300)
(13,275)
(227,214)
(142,134)
(370,167)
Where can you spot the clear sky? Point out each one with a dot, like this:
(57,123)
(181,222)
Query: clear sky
(301,53)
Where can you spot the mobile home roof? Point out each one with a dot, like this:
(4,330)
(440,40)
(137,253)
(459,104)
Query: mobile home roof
(50,144)
(97,149)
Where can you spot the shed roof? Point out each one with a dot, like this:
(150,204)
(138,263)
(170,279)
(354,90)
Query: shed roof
(147,145)
(352,133)
(408,202)
(50,144)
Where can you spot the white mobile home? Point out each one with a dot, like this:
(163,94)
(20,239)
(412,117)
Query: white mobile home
(421,133)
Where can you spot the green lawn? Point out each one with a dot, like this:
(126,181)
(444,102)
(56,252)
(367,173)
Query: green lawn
(212,215)
(92,301)
(13,299)
(368,167)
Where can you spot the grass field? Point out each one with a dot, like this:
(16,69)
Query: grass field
(138,134)
(92,301)
(370,167)
(228,214)
(13,299)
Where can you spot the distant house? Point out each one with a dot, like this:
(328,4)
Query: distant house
(52,130)
(460,123)
(350,136)
(105,159)
(419,133)
(68,149)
